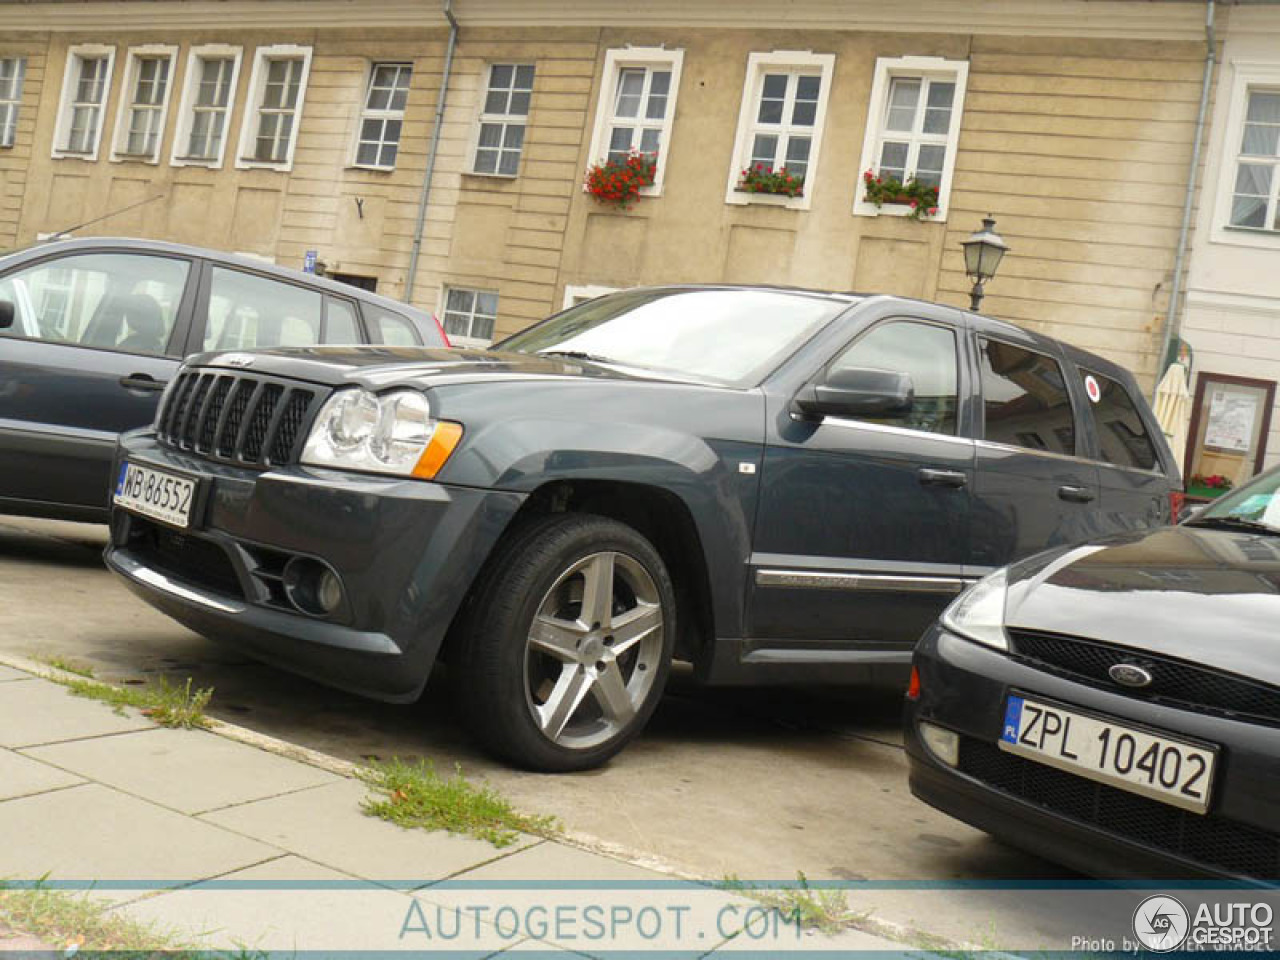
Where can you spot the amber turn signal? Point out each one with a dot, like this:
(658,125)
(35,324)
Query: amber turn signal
(446,437)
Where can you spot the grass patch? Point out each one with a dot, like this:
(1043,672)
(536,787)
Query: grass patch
(414,795)
(821,909)
(69,666)
(74,923)
(167,704)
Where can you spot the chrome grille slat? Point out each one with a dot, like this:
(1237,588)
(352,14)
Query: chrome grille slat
(235,417)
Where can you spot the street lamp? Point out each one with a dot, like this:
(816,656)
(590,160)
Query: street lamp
(982,253)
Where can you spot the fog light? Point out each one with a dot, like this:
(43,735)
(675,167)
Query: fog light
(329,592)
(943,744)
(312,587)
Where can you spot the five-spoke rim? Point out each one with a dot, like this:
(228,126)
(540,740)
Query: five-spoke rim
(593,650)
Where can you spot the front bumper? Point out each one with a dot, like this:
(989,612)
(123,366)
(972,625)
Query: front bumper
(1096,829)
(405,551)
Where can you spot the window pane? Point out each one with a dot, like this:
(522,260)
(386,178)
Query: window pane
(509,163)
(487,304)
(524,77)
(514,138)
(114,301)
(619,142)
(457,325)
(519,105)
(798,155)
(903,97)
(893,160)
(764,150)
(1249,212)
(1261,140)
(490,134)
(929,164)
(367,154)
(772,98)
(486,161)
(460,300)
(1254,179)
(496,101)
(807,88)
(657,107)
(1025,399)
(500,75)
(928,355)
(630,85)
(1264,107)
(340,323)
(660,83)
(804,113)
(649,140)
(247,311)
(1121,432)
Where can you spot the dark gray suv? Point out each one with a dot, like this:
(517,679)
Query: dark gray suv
(92,330)
(777,485)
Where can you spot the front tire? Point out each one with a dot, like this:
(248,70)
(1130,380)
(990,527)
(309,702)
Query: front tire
(569,643)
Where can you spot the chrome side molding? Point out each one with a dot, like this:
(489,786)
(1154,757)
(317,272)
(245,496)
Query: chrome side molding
(876,582)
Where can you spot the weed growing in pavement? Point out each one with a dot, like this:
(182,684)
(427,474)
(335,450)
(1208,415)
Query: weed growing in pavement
(69,666)
(165,703)
(77,924)
(810,909)
(414,795)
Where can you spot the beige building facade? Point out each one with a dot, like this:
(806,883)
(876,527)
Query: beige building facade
(279,127)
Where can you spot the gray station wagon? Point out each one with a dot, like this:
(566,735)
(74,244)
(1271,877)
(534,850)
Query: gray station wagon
(92,330)
(776,485)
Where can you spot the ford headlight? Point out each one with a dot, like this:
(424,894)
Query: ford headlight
(381,433)
(978,613)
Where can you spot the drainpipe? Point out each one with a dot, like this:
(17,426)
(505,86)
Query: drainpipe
(420,226)
(1172,322)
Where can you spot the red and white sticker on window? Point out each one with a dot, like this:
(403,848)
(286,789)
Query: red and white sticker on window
(1091,388)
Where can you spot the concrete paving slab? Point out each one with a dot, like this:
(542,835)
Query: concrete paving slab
(188,770)
(35,712)
(91,832)
(20,777)
(550,862)
(325,824)
(286,905)
(8,673)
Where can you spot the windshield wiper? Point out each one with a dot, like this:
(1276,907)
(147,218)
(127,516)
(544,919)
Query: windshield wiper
(1235,523)
(576,355)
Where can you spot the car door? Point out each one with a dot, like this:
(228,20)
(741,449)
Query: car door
(95,338)
(1133,485)
(863,523)
(1033,487)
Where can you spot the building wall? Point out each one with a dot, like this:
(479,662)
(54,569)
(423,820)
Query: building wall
(1075,135)
(1232,309)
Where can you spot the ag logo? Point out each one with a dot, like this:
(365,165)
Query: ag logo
(1092,389)
(1161,923)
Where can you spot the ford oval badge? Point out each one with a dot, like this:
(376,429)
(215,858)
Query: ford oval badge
(1130,675)
(235,360)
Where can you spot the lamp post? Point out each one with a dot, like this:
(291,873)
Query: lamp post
(982,254)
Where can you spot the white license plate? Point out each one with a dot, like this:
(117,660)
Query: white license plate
(155,493)
(1162,768)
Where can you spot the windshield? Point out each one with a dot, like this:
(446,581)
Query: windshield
(734,337)
(1257,502)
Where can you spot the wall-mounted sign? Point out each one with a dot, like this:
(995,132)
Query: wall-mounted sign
(1230,423)
(309,261)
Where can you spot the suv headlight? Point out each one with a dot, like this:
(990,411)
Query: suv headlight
(978,613)
(381,433)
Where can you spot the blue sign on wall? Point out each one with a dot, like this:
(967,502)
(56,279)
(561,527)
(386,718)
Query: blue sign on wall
(309,262)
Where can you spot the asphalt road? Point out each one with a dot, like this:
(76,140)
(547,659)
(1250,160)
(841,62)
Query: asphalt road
(760,784)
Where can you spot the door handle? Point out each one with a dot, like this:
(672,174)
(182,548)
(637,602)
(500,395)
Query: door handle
(141,381)
(930,477)
(1075,494)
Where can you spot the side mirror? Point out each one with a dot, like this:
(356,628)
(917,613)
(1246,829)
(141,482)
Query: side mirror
(858,392)
(6,314)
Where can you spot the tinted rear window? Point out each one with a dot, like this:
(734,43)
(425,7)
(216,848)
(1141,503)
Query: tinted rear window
(1025,399)
(1121,433)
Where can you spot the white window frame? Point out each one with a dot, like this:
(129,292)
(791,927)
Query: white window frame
(576,293)
(187,107)
(11,107)
(128,88)
(887,69)
(262,57)
(506,119)
(758,64)
(648,58)
(460,341)
(368,114)
(70,80)
(1246,76)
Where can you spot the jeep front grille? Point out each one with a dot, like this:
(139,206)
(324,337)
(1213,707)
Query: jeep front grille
(239,418)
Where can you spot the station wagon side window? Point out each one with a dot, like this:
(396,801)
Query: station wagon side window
(113,301)
(389,328)
(340,324)
(248,311)
(1025,399)
(925,351)
(1122,435)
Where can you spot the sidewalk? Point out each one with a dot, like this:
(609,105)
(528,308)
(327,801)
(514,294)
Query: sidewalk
(235,847)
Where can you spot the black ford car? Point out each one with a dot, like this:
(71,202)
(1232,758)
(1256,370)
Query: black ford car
(1116,705)
(776,485)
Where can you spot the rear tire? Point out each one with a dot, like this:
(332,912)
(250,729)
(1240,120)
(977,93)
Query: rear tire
(568,644)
